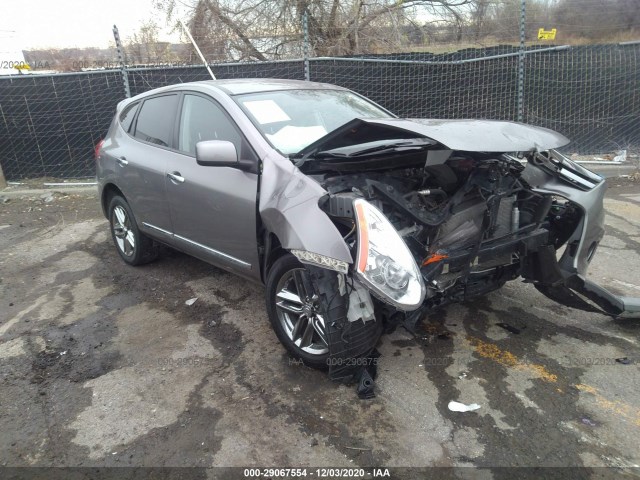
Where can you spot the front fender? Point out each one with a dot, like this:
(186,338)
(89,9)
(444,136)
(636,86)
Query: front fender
(288,207)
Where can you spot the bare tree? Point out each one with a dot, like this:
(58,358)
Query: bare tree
(264,29)
(143,47)
(272,29)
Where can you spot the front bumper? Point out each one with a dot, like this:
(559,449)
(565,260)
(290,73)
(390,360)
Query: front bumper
(564,280)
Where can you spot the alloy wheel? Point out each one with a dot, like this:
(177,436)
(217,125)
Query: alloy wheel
(298,312)
(125,238)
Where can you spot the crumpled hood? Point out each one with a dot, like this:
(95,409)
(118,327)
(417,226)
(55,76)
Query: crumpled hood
(465,135)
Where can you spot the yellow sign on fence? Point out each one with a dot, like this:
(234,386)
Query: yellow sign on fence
(546,34)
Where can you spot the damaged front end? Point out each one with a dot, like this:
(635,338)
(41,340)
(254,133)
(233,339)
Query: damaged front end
(473,215)
(425,219)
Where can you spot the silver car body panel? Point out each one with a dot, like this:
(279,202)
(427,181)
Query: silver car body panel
(289,208)
(463,135)
(484,135)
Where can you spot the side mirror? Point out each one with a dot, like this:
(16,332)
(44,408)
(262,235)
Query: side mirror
(217,153)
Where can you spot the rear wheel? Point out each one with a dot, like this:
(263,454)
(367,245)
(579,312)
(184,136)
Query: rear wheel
(134,247)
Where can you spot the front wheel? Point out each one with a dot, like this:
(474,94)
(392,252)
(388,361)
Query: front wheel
(296,312)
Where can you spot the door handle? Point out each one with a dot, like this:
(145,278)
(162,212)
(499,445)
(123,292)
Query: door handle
(122,161)
(175,177)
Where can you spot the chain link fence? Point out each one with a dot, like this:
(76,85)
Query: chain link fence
(50,123)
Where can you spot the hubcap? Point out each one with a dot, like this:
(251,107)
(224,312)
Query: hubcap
(122,230)
(297,308)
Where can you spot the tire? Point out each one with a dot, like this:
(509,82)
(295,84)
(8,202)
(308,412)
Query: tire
(298,322)
(134,247)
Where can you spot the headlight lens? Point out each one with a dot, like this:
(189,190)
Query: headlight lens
(384,262)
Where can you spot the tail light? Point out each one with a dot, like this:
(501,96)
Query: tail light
(96,151)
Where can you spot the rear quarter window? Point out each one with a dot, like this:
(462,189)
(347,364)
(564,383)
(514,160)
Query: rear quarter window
(156,119)
(127,116)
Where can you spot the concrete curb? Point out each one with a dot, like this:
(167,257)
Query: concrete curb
(12,192)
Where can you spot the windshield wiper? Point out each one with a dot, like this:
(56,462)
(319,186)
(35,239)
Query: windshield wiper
(391,147)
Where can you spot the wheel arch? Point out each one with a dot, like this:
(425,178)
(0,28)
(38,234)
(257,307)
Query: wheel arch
(272,251)
(109,191)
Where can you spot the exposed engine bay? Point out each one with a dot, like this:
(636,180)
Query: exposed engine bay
(449,216)
(471,220)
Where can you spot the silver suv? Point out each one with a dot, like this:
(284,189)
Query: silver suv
(355,220)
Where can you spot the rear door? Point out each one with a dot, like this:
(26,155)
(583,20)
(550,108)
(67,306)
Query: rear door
(141,164)
(213,209)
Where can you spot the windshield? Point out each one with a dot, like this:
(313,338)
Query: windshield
(292,119)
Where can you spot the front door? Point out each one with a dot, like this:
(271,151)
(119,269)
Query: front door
(213,209)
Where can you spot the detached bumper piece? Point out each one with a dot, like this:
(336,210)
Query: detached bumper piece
(583,294)
(573,289)
(352,354)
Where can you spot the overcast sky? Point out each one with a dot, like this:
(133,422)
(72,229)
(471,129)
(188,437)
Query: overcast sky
(29,24)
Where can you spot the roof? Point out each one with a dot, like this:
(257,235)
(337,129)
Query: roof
(239,86)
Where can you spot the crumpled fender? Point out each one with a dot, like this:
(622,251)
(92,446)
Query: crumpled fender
(288,207)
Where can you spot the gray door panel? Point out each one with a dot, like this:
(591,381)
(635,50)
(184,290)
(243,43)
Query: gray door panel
(144,179)
(139,172)
(213,212)
(213,209)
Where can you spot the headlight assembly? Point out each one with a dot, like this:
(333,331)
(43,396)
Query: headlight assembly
(384,263)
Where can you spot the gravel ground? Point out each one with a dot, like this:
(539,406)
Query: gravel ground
(104,365)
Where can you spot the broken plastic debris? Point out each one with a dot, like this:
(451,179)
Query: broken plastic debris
(191,301)
(461,407)
(63,353)
(588,421)
(621,156)
(623,360)
(462,375)
(509,328)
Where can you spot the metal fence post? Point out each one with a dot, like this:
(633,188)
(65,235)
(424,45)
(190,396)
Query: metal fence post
(523,16)
(3,181)
(305,32)
(123,69)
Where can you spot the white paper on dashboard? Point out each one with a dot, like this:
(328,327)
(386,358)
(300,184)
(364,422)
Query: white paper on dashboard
(291,139)
(266,111)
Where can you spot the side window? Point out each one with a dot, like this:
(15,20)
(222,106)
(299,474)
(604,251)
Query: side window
(127,116)
(203,119)
(156,118)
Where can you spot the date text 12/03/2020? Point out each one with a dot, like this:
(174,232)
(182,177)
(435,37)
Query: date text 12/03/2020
(324,472)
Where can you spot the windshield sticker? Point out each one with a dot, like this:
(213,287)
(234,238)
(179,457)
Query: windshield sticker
(290,139)
(266,111)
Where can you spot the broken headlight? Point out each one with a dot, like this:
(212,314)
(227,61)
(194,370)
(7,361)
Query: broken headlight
(384,263)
